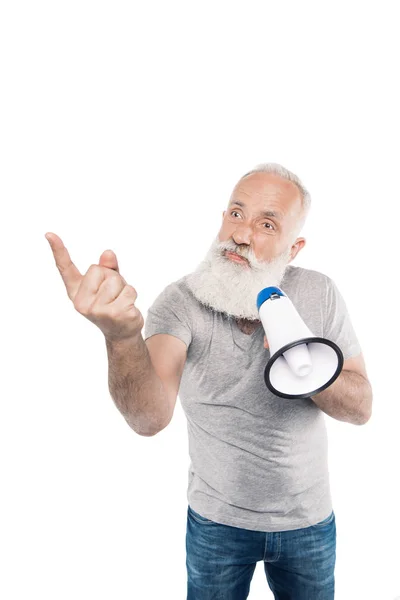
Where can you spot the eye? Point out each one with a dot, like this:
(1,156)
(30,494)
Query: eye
(266,222)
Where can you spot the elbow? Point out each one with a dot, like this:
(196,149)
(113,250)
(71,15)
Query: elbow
(155,431)
(148,431)
(364,418)
(361,420)
(144,432)
(139,430)
(366,413)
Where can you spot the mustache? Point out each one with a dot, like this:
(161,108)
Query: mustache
(237,250)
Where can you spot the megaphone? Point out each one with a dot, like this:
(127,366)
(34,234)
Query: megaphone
(301,364)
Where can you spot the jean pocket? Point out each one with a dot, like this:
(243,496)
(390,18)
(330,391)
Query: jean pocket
(326,521)
(199,518)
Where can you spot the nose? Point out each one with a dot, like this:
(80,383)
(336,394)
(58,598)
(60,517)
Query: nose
(242,235)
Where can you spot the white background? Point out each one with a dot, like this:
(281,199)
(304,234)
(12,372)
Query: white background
(125,125)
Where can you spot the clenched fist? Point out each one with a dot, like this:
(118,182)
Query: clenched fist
(101,295)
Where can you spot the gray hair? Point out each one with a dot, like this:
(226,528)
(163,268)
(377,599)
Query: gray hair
(278,169)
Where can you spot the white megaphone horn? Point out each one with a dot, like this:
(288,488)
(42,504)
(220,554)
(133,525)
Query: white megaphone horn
(301,364)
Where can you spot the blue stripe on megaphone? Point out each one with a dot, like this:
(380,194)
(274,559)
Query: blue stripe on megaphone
(266,293)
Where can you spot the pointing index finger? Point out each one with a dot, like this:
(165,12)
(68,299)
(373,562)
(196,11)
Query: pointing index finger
(68,271)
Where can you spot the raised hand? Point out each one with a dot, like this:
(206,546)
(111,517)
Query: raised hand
(101,295)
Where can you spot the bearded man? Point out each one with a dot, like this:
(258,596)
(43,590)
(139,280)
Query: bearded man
(258,481)
(258,485)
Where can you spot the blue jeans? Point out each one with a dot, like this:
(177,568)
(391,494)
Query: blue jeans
(220,560)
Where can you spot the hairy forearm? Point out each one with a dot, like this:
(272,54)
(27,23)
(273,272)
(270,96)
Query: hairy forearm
(135,386)
(349,398)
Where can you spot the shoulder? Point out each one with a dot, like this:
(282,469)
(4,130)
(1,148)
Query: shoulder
(175,288)
(179,293)
(306,277)
(179,289)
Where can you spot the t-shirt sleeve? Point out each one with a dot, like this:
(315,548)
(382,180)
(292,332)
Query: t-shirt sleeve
(169,314)
(337,325)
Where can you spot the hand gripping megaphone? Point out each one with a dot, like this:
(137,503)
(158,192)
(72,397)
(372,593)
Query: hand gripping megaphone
(301,364)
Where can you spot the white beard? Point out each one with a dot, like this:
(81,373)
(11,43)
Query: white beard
(231,287)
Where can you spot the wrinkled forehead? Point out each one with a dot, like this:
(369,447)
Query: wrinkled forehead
(264,190)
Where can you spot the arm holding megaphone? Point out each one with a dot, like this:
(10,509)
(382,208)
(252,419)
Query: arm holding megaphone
(303,365)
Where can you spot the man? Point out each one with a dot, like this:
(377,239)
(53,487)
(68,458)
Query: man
(258,480)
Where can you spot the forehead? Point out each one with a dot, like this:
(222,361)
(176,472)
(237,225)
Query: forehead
(264,190)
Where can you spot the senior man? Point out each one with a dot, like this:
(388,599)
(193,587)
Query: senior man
(258,481)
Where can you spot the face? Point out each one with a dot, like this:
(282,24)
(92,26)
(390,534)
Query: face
(258,228)
(263,212)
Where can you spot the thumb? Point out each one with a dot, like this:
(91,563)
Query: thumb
(109,259)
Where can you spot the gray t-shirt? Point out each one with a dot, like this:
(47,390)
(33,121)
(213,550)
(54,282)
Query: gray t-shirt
(258,461)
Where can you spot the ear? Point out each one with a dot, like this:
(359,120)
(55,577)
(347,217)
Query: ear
(223,214)
(297,246)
